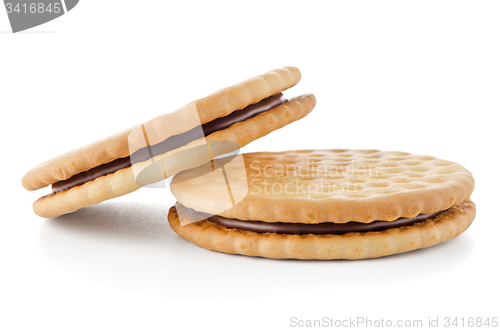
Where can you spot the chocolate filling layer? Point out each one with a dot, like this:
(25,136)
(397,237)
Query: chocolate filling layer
(170,143)
(320,228)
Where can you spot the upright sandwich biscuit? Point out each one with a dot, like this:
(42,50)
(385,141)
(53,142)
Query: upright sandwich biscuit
(169,143)
(324,204)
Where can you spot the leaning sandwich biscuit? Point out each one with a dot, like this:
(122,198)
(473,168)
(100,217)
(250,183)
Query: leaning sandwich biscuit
(323,204)
(220,123)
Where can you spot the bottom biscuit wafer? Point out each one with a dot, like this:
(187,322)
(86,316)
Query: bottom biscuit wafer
(350,246)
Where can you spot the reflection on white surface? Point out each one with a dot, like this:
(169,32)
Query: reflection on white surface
(125,243)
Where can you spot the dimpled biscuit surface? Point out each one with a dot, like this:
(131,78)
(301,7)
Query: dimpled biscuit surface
(314,186)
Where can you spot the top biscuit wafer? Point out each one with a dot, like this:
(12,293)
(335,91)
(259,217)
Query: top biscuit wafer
(314,186)
(216,105)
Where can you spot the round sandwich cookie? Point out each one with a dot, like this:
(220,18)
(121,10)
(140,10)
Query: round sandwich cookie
(154,150)
(322,204)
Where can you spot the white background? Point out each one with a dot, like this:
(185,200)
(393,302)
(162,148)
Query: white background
(420,77)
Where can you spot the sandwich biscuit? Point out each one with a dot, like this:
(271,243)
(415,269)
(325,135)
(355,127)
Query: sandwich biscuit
(323,204)
(150,152)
